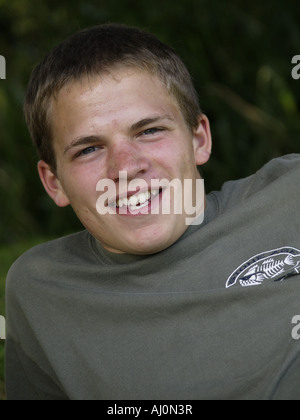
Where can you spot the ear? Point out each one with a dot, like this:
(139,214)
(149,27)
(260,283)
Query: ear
(52,185)
(202,141)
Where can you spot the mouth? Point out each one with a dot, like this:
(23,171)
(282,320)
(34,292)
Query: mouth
(140,203)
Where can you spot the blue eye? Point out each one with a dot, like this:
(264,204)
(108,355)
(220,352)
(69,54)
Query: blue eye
(87,151)
(152,131)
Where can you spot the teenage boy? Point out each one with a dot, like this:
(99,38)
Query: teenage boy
(142,304)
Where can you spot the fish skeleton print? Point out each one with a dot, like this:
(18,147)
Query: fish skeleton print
(275,265)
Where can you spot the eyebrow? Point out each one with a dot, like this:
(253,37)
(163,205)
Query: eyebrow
(89,140)
(149,121)
(82,141)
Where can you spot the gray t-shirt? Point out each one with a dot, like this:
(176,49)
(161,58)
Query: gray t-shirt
(208,318)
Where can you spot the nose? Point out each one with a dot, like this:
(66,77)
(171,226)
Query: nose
(126,156)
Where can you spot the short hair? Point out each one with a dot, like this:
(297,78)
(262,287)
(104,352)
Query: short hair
(93,52)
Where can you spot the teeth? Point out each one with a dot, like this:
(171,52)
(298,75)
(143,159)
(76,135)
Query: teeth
(142,198)
(134,200)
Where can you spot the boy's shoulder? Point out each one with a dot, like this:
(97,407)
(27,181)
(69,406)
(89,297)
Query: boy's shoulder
(49,256)
(283,173)
(56,247)
(284,170)
(278,167)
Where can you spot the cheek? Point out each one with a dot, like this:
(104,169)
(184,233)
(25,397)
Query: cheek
(166,152)
(80,188)
(175,156)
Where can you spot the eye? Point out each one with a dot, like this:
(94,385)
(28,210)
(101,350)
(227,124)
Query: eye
(87,151)
(152,131)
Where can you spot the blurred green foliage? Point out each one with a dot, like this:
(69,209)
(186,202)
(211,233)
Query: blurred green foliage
(238,52)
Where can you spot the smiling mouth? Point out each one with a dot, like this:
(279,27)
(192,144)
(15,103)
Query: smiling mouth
(136,202)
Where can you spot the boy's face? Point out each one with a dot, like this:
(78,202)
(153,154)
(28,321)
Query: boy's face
(124,121)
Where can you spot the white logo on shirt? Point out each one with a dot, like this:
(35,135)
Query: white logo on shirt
(275,265)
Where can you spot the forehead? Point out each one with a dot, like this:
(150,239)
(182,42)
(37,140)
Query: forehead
(122,96)
(126,82)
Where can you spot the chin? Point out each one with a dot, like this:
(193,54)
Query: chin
(151,244)
(142,239)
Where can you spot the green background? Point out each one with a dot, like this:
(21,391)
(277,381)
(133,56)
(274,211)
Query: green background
(238,52)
